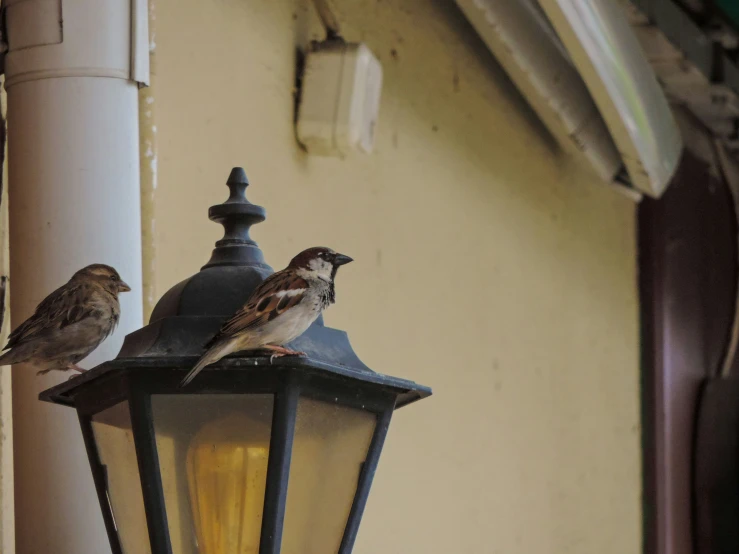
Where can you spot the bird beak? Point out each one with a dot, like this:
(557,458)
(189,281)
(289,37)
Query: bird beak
(123,287)
(340,259)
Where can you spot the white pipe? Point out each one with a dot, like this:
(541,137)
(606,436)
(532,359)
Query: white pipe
(74,199)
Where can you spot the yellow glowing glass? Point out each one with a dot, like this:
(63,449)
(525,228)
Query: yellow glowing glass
(226,479)
(213,454)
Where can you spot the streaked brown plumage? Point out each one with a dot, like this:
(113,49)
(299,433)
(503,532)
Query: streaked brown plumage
(279,310)
(69,323)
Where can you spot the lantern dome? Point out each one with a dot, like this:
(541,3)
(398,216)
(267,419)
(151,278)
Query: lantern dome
(192,311)
(236,265)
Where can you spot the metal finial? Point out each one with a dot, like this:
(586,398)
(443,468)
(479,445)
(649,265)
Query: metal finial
(237,215)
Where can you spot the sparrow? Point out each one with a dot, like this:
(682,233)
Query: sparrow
(69,323)
(279,310)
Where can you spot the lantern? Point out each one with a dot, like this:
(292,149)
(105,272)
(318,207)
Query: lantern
(254,456)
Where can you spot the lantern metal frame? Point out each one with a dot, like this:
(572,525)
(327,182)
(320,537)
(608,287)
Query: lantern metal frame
(184,318)
(287,379)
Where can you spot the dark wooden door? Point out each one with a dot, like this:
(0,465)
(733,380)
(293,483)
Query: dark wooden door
(688,275)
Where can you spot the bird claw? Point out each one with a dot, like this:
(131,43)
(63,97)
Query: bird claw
(286,352)
(72,367)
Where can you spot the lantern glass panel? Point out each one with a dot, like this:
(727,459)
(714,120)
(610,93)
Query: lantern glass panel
(117,453)
(329,449)
(213,451)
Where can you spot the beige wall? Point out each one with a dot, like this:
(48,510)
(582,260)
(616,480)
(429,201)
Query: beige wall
(487,266)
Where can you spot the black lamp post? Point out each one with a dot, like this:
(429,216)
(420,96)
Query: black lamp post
(252,457)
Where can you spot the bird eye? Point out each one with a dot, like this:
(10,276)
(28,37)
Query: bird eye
(112,277)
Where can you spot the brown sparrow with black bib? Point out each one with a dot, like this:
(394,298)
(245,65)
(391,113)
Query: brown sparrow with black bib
(279,310)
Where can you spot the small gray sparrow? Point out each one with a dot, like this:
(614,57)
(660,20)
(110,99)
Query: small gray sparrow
(69,323)
(279,310)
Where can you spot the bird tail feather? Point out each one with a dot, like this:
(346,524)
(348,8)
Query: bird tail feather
(215,353)
(17,355)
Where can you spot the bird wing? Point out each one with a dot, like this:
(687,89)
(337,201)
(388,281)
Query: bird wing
(66,305)
(277,294)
